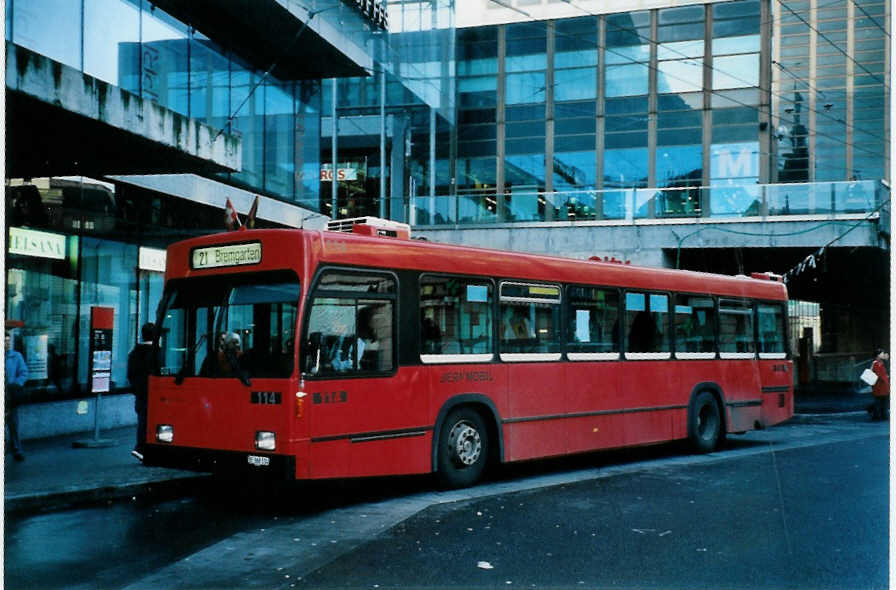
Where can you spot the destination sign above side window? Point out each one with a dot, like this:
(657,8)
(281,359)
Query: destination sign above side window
(230,255)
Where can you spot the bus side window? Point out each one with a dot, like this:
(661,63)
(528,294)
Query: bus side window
(455,318)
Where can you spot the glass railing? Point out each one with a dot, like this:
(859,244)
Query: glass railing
(751,201)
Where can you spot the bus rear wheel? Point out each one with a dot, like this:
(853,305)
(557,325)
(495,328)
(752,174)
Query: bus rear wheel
(463,448)
(706,428)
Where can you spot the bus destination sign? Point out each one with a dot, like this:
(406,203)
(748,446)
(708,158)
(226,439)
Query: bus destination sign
(234,255)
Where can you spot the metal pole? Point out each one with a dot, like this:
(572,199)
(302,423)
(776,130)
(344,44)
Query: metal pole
(334,211)
(384,211)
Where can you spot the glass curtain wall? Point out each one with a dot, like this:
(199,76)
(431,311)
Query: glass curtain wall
(526,91)
(477,102)
(141,49)
(869,94)
(734,149)
(679,135)
(575,110)
(830,90)
(627,74)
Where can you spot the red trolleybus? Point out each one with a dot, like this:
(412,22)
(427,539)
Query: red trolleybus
(325,354)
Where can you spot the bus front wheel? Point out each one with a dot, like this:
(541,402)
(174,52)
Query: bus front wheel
(463,448)
(706,429)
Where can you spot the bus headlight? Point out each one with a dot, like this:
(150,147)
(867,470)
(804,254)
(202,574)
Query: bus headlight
(165,433)
(265,441)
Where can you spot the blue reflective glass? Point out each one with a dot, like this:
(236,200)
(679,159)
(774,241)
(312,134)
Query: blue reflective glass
(112,42)
(674,119)
(525,88)
(625,168)
(738,9)
(627,54)
(679,136)
(57,37)
(574,169)
(528,129)
(525,63)
(525,113)
(308,147)
(577,84)
(733,28)
(279,139)
(626,123)
(679,165)
(621,106)
(692,101)
(533,145)
(735,71)
(574,143)
(165,69)
(680,75)
(741,44)
(248,122)
(524,170)
(475,173)
(574,126)
(627,80)
(735,201)
(625,140)
(734,161)
(629,28)
(681,32)
(209,83)
(685,14)
(680,49)
(574,109)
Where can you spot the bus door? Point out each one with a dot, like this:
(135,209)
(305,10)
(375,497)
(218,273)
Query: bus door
(365,416)
(530,335)
(775,369)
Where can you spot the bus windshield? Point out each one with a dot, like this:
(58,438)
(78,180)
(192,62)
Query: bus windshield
(234,326)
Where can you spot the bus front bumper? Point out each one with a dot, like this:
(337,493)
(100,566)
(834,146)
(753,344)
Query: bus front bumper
(221,462)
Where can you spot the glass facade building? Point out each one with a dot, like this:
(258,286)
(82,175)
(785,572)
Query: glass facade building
(680,112)
(76,243)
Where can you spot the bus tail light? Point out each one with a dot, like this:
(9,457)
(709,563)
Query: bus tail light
(165,433)
(300,403)
(265,440)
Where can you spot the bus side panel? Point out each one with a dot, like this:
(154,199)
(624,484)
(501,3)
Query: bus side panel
(537,400)
(369,426)
(741,387)
(592,387)
(777,391)
(449,384)
(646,390)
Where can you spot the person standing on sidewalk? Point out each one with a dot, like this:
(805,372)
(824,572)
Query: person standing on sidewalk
(139,367)
(16,375)
(881,388)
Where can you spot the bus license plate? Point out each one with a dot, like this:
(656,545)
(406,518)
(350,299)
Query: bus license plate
(259,461)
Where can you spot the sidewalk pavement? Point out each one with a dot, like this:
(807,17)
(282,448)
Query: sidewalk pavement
(54,474)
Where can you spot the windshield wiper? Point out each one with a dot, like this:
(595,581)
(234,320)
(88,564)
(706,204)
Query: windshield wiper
(182,374)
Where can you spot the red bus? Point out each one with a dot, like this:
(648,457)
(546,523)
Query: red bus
(325,354)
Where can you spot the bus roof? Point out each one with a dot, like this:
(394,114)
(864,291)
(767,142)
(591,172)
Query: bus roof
(305,249)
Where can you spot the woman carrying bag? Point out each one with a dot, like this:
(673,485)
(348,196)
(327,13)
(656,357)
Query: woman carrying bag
(881,389)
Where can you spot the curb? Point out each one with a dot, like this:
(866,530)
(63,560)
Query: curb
(817,418)
(34,503)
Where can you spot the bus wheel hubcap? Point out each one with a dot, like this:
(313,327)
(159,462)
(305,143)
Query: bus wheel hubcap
(465,443)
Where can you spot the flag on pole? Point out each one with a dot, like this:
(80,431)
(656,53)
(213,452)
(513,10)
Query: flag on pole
(250,220)
(230,217)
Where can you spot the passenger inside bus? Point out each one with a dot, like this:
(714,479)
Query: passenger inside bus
(226,361)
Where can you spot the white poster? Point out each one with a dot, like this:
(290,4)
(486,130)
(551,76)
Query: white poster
(36,355)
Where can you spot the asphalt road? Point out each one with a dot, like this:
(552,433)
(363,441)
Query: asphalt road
(800,506)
